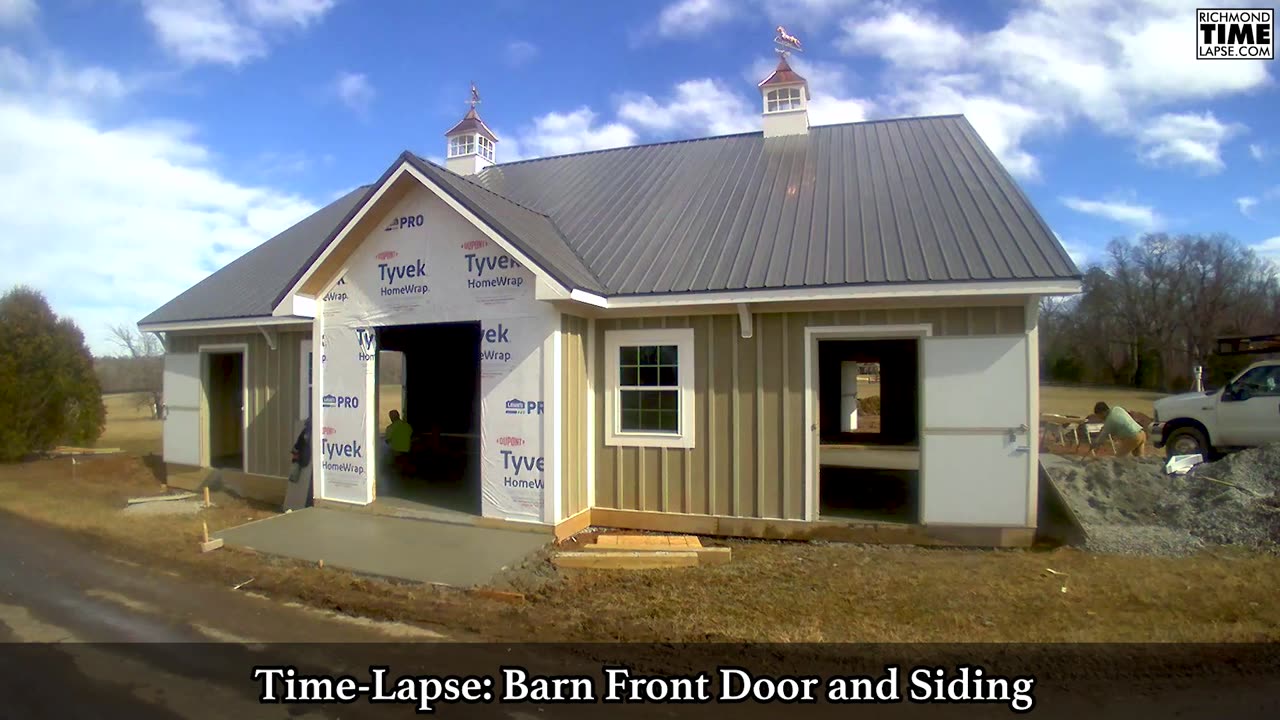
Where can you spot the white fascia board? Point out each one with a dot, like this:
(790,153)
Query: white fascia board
(248,323)
(583,296)
(904,290)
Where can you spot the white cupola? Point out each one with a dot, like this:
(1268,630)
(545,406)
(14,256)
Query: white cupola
(472,145)
(784,94)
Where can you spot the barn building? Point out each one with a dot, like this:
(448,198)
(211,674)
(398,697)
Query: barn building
(797,332)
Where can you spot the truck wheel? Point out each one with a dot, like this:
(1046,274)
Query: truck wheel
(1187,441)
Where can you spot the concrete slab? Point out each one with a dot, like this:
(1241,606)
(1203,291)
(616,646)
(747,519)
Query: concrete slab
(417,550)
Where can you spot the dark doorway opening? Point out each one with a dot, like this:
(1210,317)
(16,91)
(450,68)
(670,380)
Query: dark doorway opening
(869,429)
(430,375)
(224,397)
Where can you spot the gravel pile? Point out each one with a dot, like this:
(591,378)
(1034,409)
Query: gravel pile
(1129,505)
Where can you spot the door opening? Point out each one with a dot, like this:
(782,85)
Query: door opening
(224,398)
(868,419)
(429,376)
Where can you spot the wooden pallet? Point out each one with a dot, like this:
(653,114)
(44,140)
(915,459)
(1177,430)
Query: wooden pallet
(636,552)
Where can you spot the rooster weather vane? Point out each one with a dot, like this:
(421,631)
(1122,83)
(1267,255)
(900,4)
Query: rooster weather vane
(475,97)
(786,44)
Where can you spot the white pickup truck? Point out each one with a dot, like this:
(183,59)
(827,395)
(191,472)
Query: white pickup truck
(1244,413)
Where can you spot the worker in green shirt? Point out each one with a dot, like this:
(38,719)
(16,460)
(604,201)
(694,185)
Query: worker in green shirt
(1130,438)
(399,437)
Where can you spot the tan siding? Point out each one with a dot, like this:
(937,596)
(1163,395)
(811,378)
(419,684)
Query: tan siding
(748,454)
(273,400)
(573,418)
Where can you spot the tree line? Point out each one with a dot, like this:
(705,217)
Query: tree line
(1153,307)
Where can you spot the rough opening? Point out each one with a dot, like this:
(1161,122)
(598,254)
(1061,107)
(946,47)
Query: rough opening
(429,375)
(224,389)
(868,425)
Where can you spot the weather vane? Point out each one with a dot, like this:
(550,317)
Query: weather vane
(475,97)
(786,44)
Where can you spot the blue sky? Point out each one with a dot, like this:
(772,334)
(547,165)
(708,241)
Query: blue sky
(149,142)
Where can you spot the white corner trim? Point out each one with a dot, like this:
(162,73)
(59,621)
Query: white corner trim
(247,324)
(744,320)
(683,339)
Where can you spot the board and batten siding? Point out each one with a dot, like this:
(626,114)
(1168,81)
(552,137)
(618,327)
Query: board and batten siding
(274,388)
(573,408)
(749,442)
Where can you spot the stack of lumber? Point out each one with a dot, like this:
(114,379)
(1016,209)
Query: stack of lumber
(642,552)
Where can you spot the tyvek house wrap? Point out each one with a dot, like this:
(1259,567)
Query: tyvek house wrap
(426,264)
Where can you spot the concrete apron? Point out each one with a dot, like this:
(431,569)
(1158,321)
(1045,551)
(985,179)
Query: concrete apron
(392,547)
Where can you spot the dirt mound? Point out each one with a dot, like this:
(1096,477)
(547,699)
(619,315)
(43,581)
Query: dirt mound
(869,405)
(1130,505)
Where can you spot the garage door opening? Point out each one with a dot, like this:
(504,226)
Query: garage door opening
(429,375)
(224,398)
(869,430)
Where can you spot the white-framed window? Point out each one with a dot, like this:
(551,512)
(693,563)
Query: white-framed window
(783,99)
(649,398)
(462,145)
(306,383)
(486,147)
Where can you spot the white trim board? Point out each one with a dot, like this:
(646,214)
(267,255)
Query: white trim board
(812,335)
(248,324)
(683,339)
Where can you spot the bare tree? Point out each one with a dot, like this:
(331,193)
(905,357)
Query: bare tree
(145,351)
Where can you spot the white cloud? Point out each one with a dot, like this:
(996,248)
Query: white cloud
(906,38)
(214,31)
(520,52)
(17,12)
(700,106)
(286,12)
(562,133)
(1139,216)
(354,90)
(1246,204)
(113,220)
(1269,248)
(1257,151)
(692,17)
(1185,139)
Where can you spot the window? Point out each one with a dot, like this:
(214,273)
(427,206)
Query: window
(783,99)
(486,147)
(462,145)
(650,393)
(306,383)
(1260,382)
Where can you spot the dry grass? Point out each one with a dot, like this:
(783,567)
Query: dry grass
(130,425)
(1079,401)
(784,592)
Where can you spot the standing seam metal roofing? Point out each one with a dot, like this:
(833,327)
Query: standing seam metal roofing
(913,200)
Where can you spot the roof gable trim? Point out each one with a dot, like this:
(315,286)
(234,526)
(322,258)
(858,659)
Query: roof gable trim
(399,170)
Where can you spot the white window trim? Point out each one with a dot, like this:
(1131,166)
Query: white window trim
(682,338)
(304,369)
(794,99)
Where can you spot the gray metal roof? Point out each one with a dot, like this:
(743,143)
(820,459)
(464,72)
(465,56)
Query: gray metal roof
(911,200)
(891,201)
(250,285)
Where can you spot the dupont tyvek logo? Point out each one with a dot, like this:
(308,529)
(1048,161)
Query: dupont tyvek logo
(516,406)
(475,244)
(404,221)
(510,441)
(327,431)
(493,271)
(406,278)
(387,255)
(340,401)
(339,292)
(366,342)
(345,457)
(514,464)
(496,336)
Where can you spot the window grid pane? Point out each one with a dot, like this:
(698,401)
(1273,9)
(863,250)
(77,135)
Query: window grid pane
(648,388)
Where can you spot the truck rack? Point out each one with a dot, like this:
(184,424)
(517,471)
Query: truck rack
(1256,344)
